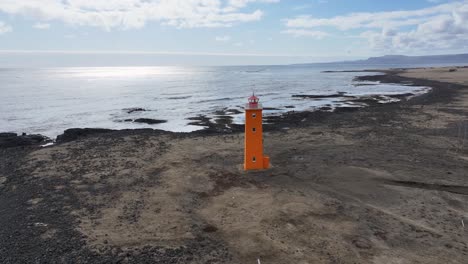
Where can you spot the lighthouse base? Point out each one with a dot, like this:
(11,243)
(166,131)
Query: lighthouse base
(263,164)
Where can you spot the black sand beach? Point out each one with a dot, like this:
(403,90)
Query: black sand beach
(381,184)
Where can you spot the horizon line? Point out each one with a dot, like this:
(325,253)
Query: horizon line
(130,52)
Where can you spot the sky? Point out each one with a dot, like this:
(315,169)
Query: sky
(225,32)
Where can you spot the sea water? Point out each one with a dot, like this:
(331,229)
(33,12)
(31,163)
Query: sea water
(47,101)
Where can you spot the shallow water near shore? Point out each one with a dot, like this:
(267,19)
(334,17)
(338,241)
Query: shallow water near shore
(48,101)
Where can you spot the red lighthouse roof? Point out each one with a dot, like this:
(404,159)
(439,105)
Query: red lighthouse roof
(253,102)
(253,99)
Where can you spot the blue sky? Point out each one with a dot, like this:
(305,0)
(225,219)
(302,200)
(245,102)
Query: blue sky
(208,32)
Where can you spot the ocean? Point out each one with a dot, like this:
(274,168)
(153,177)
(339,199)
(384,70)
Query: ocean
(49,100)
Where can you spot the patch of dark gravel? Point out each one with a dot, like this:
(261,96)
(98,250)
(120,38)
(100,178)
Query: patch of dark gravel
(38,225)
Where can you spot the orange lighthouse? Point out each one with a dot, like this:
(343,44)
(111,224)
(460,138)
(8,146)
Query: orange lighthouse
(253,155)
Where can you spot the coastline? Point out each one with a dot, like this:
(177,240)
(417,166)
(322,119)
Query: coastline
(222,122)
(377,184)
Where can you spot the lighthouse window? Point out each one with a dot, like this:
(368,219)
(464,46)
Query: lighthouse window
(254,115)
(254,129)
(254,159)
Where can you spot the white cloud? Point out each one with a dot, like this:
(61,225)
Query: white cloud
(443,26)
(237,4)
(4,28)
(376,19)
(306,33)
(223,38)
(41,26)
(126,14)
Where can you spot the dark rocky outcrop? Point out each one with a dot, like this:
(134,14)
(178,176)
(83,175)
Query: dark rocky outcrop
(149,121)
(271,109)
(179,97)
(134,109)
(7,135)
(318,96)
(75,133)
(8,140)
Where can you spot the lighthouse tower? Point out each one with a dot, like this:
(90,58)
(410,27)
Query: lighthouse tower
(253,156)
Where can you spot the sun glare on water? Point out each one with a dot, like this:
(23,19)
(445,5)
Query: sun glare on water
(124,72)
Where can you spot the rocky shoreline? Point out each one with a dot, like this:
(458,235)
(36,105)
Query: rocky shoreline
(222,120)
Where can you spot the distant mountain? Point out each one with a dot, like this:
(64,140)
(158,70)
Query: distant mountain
(400,59)
(405,60)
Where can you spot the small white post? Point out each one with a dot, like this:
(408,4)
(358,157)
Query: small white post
(258,261)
